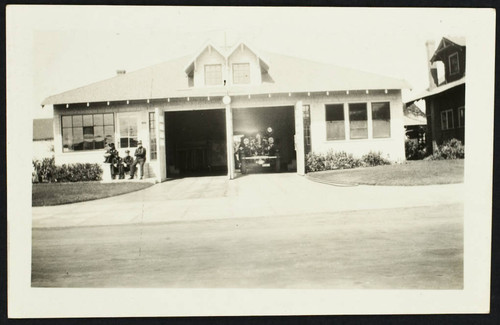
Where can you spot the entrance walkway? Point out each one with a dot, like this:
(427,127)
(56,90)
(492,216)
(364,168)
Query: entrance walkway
(255,195)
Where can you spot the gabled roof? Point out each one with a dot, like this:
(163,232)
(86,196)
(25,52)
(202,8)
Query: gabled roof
(43,129)
(263,62)
(447,42)
(413,115)
(169,80)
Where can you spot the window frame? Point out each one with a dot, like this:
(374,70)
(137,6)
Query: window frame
(447,126)
(82,126)
(342,106)
(205,74)
(137,120)
(453,55)
(461,108)
(153,153)
(372,120)
(247,64)
(349,121)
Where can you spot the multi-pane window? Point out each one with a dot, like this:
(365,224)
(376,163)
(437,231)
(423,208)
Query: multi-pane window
(241,73)
(128,131)
(453,62)
(306,112)
(335,127)
(381,118)
(213,74)
(152,136)
(358,121)
(87,132)
(447,119)
(461,117)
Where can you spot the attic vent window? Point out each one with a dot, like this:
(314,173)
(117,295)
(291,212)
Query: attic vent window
(213,74)
(241,73)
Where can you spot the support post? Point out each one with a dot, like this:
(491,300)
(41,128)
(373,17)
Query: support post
(229,141)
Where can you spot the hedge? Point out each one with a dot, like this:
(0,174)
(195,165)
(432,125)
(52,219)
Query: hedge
(342,160)
(47,171)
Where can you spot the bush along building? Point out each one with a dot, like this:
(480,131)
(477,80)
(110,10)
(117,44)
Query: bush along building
(194,113)
(445,97)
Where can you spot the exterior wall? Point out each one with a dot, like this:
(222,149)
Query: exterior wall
(141,110)
(391,148)
(450,99)
(43,149)
(243,55)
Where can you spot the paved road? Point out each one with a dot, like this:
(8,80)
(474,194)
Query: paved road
(258,231)
(396,248)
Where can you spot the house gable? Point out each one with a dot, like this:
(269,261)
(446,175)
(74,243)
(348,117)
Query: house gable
(452,55)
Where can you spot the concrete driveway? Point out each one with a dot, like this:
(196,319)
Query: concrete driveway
(256,195)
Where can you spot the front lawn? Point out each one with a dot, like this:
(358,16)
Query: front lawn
(418,172)
(62,193)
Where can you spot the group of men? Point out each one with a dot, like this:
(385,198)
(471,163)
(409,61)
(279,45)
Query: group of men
(119,166)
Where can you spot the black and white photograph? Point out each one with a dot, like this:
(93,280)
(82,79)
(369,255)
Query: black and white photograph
(248,160)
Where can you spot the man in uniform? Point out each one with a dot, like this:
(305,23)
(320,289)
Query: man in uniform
(110,158)
(140,158)
(127,162)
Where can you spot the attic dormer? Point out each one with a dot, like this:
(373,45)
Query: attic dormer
(213,67)
(451,52)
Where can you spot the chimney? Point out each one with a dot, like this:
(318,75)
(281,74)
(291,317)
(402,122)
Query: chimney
(431,66)
(120,72)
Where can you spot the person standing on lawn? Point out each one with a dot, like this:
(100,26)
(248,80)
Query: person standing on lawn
(140,158)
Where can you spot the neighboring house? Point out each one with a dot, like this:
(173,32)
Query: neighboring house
(415,123)
(188,111)
(43,138)
(445,101)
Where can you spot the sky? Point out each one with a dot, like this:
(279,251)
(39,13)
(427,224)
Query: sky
(73,46)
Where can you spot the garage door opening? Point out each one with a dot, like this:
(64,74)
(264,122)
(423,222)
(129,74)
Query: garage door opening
(195,143)
(259,128)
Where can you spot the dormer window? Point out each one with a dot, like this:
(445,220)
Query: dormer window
(241,73)
(213,74)
(454,65)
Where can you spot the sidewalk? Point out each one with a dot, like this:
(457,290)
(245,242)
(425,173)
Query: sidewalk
(247,196)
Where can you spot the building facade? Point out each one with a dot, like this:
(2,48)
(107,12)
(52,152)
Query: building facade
(192,112)
(445,98)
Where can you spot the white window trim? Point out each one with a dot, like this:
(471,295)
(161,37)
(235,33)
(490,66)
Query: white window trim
(371,119)
(346,123)
(447,126)
(458,64)
(249,73)
(221,75)
(117,128)
(458,112)
(368,120)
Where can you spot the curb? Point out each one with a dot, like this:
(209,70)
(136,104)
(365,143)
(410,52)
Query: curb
(314,179)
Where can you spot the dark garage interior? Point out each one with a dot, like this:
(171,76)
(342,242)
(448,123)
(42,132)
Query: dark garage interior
(196,143)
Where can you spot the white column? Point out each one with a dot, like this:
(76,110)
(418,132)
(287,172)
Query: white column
(229,141)
(161,172)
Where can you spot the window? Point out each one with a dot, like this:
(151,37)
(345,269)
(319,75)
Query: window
(381,118)
(213,74)
(461,117)
(128,131)
(335,127)
(306,113)
(87,132)
(152,136)
(454,65)
(358,123)
(241,73)
(447,119)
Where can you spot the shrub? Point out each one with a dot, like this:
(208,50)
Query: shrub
(451,149)
(44,170)
(374,159)
(414,150)
(314,162)
(340,160)
(47,171)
